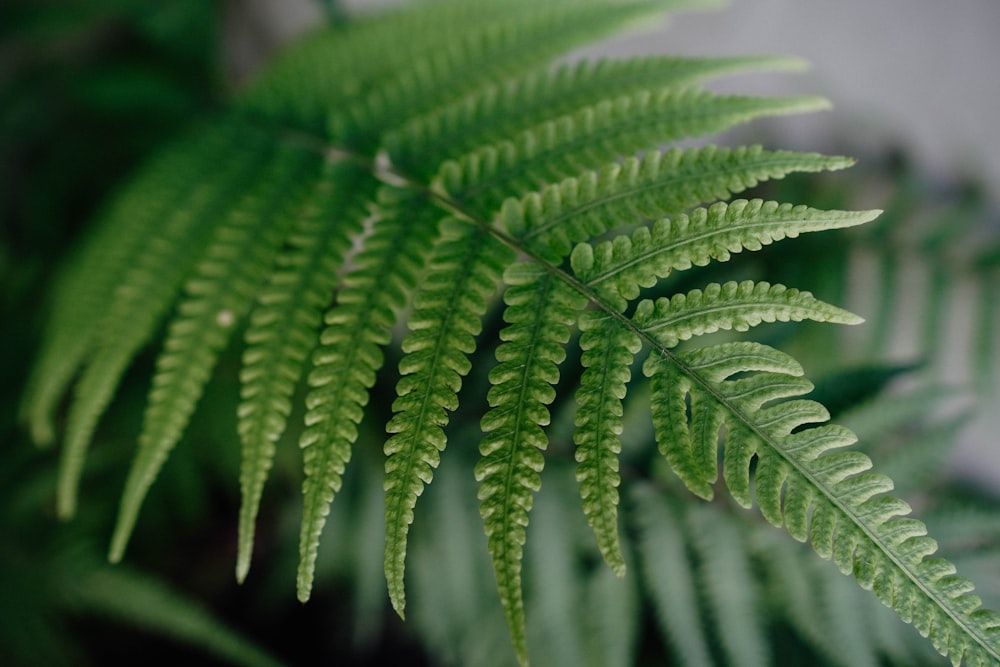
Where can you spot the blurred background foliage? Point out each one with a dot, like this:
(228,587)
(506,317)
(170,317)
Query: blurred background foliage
(90,88)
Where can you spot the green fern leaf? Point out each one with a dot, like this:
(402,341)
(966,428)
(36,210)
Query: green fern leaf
(512,42)
(567,146)
(819,494)
(540,310)
(284,326)
(464,272)
(673,591)
(500,111)
(608,354)
(657,185)
(350,353)
(733,306)
(145,290)
(617,269)
(429,156)
(218,296)
(108,259)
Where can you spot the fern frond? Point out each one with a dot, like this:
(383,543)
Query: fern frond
(825,496)
(733,306)
(539,312)
(126,316)
(106,260)
(284,327)
(483,53)
(433,158)
(218,297)
(330,68)
(618,269)
(654,186)
(500,111)
(350,352)
(608,351)
(152,606)
(614,610)
(571,144)
(672,589)
(731,590)
(463,273)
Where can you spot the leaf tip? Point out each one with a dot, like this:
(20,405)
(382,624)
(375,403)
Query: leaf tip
(304,588)
(871,214)
(121,535)
(65,505)
(399,606)
(41,431)
(115,552)
(242,567)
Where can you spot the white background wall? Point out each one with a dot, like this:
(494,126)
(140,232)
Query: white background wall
(927,71)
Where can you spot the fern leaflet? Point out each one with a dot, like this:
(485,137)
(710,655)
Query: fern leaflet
(284,327)
(464,271)
(218,296)
(539,312)
(145,290)
(350,352)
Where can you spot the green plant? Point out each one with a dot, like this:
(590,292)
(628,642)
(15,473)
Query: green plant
(428,166)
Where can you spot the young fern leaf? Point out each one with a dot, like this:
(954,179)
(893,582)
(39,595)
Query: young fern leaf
(540,309)
(218,296)
(463,273)
(284,328)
